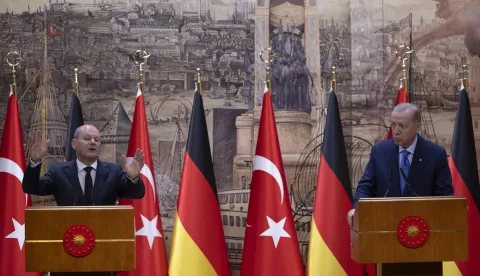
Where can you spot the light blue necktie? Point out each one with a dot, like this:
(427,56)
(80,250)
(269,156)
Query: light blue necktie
(405,165)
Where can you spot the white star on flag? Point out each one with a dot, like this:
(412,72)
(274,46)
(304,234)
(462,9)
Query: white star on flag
(275,230)
(149,230)
(18,234)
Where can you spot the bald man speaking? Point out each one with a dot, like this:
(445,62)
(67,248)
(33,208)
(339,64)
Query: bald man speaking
(85,181)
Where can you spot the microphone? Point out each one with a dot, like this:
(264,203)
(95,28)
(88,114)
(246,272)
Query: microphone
(389,181)
(406,181)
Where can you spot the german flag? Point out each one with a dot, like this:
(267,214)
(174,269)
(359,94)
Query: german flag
(76,120)
(198,246)
(329,250)
(464,169)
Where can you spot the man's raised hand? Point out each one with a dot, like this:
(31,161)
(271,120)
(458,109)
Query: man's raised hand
(37,148)
(133,168)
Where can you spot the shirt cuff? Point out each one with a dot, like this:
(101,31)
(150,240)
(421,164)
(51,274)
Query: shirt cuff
(34,164)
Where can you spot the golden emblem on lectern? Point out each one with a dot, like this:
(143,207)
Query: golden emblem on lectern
(79,240)
(412,231)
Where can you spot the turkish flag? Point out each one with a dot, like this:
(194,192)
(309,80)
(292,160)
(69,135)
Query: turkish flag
(150,246)
(271,246)
(12,198)
(402,97)
(51,31)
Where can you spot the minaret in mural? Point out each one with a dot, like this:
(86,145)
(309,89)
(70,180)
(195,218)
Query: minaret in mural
(47,117)
(115,135)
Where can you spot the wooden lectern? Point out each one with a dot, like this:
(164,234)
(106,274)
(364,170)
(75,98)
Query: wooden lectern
(57,239)
(376,236)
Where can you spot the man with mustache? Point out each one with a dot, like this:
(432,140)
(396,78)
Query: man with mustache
(85,181)
(407,165)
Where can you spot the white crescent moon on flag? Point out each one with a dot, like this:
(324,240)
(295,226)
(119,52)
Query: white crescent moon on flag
(148,174)
(52,30)
(261,163)
(8,166)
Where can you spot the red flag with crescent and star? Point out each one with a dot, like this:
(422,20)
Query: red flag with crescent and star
(271,246)
(52,31)
(402,97)
(150,245)
(12,198)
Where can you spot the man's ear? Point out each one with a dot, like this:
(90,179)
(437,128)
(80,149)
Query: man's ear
(74,144)
(419,126)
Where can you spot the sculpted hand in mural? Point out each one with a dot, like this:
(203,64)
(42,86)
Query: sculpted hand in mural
(462,17)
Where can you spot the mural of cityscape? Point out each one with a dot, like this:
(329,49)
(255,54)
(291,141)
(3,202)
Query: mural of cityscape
(363,39)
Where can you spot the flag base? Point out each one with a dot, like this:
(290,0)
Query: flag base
(404,269)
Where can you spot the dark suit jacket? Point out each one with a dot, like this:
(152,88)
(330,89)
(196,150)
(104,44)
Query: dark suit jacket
(429,172)
(62,182)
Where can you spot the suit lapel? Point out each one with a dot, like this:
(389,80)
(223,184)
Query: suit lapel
(71,171)
(102,174)
(416,166)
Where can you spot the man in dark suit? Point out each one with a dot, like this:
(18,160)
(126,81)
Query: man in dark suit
(85,181)
(407,165)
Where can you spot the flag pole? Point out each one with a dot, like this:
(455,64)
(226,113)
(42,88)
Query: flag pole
(334,79)
(404,78)
(199,82)
(75,84)
(267,75)
(465,77)
(142,77)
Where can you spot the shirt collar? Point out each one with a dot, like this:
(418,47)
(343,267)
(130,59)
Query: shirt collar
(82,166)
(411,148)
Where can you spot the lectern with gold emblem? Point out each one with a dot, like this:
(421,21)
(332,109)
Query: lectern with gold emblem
(410,236)
(93,240)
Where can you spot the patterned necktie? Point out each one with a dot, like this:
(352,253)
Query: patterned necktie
(405,165)
(88,187)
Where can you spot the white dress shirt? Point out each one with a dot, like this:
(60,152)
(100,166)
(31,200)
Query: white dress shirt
(410,149)
(82,173)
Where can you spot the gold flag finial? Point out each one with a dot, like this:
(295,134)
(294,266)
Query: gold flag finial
(199,82)
(13,59)
(334,79)
(75,83)
(267,56)
(404,58)
(140,58)
(465,77)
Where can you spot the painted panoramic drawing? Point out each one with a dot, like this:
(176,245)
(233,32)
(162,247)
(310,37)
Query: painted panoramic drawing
(365,40)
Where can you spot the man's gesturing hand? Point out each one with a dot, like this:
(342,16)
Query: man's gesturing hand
(133,168)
